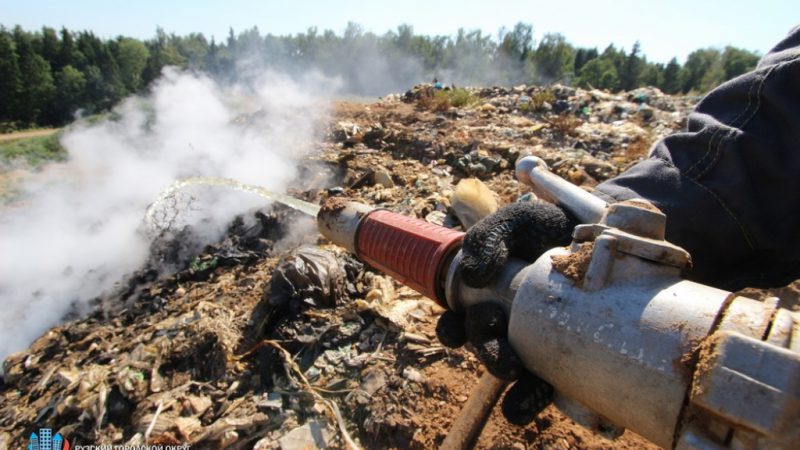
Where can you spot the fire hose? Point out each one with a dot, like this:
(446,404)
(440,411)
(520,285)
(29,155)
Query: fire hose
(625,342)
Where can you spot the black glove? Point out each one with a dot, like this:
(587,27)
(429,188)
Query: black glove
(485,327)
(524,230)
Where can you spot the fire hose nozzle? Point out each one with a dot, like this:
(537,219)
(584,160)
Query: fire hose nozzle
(626,330)
(414,252)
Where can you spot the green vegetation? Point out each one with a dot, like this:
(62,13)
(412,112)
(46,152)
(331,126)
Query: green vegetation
(442,99)
(47,76)
(458,97)
(201,265)
(34,150)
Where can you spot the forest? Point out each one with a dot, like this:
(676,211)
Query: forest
(49,76)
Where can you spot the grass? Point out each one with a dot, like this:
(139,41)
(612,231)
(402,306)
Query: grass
(444,99)
(34,150)
(458,97)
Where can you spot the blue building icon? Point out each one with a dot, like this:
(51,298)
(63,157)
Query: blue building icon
(58,442)
(34,442)
(46,441)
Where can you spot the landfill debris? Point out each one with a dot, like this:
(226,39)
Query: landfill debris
(256,341)
(382,177)
(308,274)
(312,435)
(472,201)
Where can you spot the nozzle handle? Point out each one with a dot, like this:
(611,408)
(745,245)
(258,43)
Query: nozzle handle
(533,171)
(414,252)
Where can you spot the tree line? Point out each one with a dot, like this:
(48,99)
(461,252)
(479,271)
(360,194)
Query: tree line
(46,76)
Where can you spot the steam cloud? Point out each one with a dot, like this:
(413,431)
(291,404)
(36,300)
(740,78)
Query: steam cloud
(367,66)
(77,233)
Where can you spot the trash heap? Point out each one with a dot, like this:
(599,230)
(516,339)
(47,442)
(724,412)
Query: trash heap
(273,338)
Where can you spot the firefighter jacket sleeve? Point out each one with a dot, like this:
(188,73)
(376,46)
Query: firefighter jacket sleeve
(730,184)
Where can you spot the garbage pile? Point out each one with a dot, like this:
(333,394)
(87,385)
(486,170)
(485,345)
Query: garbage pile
(275,339)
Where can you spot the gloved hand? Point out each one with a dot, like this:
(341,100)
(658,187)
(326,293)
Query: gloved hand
(524,230)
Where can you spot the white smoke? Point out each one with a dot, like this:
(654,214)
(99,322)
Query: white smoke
(77,232)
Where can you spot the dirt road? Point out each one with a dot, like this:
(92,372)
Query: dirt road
(27,134)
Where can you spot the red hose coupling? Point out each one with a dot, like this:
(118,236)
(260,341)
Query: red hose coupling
(414,252)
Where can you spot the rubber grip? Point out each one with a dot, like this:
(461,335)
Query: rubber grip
(412,251)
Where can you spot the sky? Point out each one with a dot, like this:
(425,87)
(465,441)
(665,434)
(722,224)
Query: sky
(664,28)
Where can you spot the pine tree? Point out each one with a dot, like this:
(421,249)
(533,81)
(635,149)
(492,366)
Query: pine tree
(553,58)
(10,79)
(583,56)
(694,74)
(736,61)
(599,73)
(36,80)
(631,73)
(671,77)
(66,51)
(70,88)
(131,57)
(50,48)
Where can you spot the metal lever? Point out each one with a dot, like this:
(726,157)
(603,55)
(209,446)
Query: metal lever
(534,172)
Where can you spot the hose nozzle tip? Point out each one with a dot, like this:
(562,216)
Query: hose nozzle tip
(526,165)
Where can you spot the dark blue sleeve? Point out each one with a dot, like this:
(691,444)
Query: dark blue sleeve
(730,184)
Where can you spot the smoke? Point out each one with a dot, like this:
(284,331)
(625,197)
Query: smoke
(369,71)
(371,65)
(361,67)
(77,232)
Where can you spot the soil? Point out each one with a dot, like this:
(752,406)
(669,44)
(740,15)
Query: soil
(6,137)
(789,295)
(333,205)
(574,265)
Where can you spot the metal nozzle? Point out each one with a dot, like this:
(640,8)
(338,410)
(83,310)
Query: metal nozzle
(533,171)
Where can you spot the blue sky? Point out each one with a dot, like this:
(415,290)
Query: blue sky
(664,28)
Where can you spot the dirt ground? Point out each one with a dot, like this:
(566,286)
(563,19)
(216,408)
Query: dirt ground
(6,137)
(209,356)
